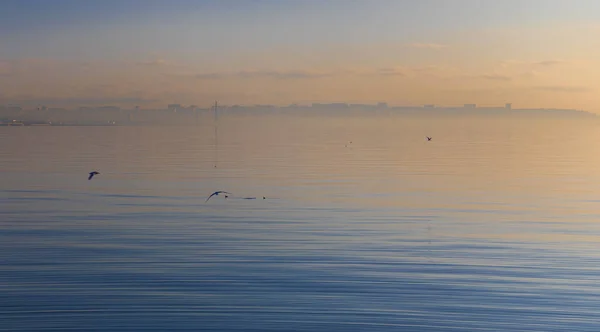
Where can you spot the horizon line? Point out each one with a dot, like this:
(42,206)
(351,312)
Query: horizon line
(507,106)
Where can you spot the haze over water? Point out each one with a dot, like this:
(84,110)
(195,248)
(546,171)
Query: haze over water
(491,226)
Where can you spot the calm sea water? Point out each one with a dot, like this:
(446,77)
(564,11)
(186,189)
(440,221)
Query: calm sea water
(491,226)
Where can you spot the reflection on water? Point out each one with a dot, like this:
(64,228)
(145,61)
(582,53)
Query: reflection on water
(491,226)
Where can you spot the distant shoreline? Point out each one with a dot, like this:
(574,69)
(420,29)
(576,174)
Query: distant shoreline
(156,118)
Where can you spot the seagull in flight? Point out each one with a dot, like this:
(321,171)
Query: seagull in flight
(92,174)
(428,138)
(216,193)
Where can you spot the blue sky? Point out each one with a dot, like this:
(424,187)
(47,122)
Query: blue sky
(91,28)
(209,38)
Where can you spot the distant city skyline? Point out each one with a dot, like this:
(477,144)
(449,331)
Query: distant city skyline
(195,115)
(533,53)
(380,104)
(317,106)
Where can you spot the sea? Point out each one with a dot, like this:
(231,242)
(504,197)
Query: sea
(333,223)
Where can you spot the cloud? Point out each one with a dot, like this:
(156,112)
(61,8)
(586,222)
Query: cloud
(154,63)
(430,68)
(431,46)
(529,74)
(543,63)
(274,74)
(308,74)
(495,77)
(293,74)
(489,77)
(549,62)
(209,76)
(394,71)
(562,88)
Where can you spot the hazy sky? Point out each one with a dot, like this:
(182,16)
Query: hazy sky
(533,53)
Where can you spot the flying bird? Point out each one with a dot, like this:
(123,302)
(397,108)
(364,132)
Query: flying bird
(216,193)
(92,174)
(428,138)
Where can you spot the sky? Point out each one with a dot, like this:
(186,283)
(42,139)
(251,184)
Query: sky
(532,53)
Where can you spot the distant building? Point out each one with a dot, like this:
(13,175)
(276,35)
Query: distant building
(382,105)
(109,108)
(508,106)
(174,107)
(429,106)
(470,106)
(330,106)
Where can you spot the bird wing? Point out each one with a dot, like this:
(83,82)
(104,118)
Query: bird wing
(91,176)
(216,193)
(211,195)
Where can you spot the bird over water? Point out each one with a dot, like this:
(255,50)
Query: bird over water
(216,193)
(92,174)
